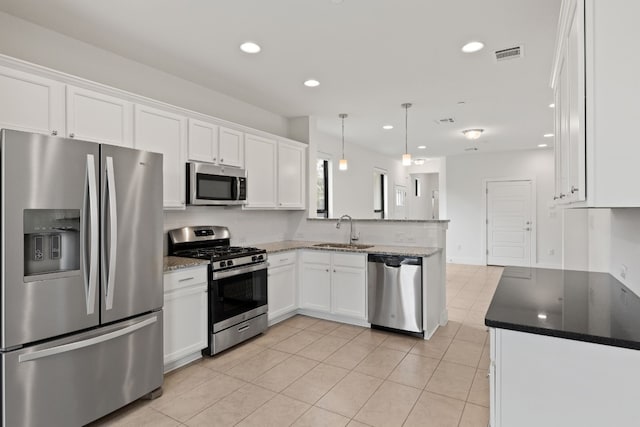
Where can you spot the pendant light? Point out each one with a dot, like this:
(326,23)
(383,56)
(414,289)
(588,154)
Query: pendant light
(342,165)
(406,157)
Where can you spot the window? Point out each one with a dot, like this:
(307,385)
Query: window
(322,188)
(379,193)
(418,187)
(401,194)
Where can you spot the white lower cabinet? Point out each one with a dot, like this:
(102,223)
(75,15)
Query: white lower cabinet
(335,283)
(185,316)
(538,380)
(282,284)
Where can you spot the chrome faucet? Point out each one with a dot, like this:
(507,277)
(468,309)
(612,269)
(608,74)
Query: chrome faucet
(352,235)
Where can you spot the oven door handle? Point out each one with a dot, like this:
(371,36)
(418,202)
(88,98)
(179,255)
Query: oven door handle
(216,275)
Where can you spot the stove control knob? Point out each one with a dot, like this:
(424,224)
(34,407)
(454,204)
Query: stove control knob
(260,257)
(223,264)
(254,258)
(229,263)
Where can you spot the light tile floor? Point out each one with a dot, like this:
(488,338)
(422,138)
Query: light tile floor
(311,372)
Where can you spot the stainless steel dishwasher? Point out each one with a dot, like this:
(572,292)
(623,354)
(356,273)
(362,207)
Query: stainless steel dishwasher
(395,293)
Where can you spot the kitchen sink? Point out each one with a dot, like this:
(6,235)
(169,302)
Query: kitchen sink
(342,246)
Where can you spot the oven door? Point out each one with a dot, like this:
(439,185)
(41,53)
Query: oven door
(236,295)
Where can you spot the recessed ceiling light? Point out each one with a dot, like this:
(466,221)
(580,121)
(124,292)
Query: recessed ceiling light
(422,147)
(387,127)
(311,83)
(473,46)
(552,105)
(250,47)
(548,135)
(542,145)
(472,133)
(542,316)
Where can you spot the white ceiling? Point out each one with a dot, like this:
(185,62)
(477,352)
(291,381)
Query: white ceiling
(369,55)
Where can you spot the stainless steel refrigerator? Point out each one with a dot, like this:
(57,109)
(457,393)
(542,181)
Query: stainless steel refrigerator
(81,270)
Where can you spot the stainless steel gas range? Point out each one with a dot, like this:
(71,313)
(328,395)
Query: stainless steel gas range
(237,283)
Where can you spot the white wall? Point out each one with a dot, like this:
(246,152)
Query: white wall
(625,246)
(24,40)
(586,239)
(464,192)
(420,207)
(353,188)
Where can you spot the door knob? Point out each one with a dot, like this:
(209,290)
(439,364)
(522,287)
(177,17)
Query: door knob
(574,189)
(54,133)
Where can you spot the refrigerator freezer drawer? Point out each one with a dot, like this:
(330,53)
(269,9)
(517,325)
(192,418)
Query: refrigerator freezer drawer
(78,379)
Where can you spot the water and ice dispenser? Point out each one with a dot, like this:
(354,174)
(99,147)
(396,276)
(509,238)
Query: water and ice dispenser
(51,241)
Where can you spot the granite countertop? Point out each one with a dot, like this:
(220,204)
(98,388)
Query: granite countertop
(289,245)
(172,263)
(578,305)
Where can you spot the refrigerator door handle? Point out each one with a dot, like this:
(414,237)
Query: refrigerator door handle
(108,271)
(90,256)
(65,348)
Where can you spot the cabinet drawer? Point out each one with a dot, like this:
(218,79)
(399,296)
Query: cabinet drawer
(349,260)
(184,278)
(281,258)
(316,257)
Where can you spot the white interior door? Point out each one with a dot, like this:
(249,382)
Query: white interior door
(509,223)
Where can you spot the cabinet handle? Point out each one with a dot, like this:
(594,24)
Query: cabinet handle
(334,270)
(327,270)
(214,159)
(555,197)
(562,195)
(574,189)
(54,132)
(72,135)
(527,229)
(222,160)
(186,279)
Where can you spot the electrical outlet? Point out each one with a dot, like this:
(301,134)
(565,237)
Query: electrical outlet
(624,270)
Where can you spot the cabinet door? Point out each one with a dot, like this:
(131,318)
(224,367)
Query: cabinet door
(562,137)
(291,176)
(576,107)
(185,322)
(93,116)
(31,103)
(348,292)
(231,152)
(316,287)
(164,132)
(203,141)
(281,290)
(260,161)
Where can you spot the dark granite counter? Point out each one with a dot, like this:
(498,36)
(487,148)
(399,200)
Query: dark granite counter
(578,305)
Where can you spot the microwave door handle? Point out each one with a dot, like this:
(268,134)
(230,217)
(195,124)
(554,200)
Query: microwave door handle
(110,244)
(90,232)
(237,189)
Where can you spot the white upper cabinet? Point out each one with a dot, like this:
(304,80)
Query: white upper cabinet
(291,175)
(260,162)
(203,141)
(31,103)
(164,132)
(215,144)
(93,116)
(595,81)
(231,150)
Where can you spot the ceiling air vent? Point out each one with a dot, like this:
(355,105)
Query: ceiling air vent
(471,149)
(445,121)
(510,53)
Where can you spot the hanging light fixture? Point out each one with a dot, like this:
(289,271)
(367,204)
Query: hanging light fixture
(342,165)
(406,157)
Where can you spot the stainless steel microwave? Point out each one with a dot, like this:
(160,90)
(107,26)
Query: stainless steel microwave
(216,185)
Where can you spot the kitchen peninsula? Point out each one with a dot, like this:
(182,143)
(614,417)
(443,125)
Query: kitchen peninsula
(564,349)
